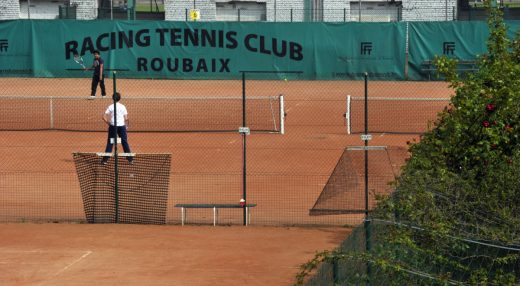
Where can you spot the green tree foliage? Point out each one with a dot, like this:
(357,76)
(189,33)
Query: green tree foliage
(467,166)
(461,186)
(454,218)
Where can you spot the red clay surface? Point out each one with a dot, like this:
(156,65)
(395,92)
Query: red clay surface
(287,174)
(66,254)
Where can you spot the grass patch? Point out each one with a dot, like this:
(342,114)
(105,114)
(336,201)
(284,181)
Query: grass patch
(146,7)
(513,4)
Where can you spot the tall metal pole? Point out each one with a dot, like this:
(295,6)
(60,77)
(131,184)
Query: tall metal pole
(367,221)
(116,162)
(28,9)
(275,10)
(359,10)
(446,10)
(244,148)
(366,146)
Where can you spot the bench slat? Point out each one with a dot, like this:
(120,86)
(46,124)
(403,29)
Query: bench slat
(208,206)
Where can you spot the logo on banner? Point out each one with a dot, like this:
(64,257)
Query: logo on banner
(366,48)
(3,45)
(448,48)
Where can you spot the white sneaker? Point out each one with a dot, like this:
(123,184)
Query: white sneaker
(92,97)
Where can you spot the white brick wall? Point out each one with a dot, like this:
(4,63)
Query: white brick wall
(9,9)
(39,10)
(336,10)
(86,9)
(429,10)
(281,10)
(277,10)
(175,10)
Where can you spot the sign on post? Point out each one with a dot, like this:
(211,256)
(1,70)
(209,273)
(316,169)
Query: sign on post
(244,130)
(195,14)
(366,137)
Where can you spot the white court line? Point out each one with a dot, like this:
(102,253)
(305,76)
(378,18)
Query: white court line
(289,109)
(73,262)
(87,253)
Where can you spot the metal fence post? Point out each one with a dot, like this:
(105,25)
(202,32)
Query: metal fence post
(116,162)
(446,10)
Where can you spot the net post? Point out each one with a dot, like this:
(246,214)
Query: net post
(347,114)
(282,115)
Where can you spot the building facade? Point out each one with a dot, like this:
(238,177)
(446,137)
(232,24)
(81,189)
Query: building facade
(9,9)
(257,10)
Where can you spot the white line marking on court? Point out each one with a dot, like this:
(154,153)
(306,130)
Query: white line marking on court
(289,109)
(74,262)
(87,253)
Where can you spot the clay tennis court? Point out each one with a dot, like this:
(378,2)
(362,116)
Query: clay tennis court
(286,175)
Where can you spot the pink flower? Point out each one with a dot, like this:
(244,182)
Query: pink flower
(486,123)
(490,107)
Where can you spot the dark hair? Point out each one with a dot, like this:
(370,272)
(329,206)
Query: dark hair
(116,96)
(96,52)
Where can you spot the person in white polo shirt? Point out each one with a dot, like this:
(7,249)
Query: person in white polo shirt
(122,123)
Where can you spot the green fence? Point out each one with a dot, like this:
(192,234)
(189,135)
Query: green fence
(392,263)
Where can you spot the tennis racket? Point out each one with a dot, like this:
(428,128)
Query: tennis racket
(79,60)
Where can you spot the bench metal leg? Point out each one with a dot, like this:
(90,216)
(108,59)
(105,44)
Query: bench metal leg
(183,215)
(214,216)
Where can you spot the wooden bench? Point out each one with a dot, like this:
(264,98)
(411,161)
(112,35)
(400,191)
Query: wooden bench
(462,66)
(215,207)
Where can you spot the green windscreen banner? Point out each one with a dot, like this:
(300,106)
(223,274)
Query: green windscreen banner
(222,50)
(16,48)
(513,27)
(464,41)
(202,50)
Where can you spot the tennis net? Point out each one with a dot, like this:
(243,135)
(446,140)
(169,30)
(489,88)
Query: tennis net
(141,195)
(345,190)
(393,115)
(146,114)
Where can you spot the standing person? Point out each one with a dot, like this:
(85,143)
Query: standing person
(122,123)
(98,76)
